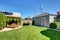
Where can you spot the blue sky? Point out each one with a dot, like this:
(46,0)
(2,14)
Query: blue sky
(28,7)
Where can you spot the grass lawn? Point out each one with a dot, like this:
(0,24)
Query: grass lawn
(30,33)
(58,24)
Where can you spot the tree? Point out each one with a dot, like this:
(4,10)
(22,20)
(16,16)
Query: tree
(28,18)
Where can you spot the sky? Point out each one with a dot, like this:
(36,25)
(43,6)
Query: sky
(27,8)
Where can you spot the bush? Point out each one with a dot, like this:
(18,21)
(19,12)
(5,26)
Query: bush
(26,23)
(18,20)
(53,25)
(3,19)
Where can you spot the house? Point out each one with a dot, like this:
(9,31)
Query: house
(58,17)
(12,18)
(25,22)
(43,19)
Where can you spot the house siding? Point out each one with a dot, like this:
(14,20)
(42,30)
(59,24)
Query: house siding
(51,18)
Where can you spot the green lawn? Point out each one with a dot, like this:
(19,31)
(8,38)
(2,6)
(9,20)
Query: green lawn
(58,24)
(30,33)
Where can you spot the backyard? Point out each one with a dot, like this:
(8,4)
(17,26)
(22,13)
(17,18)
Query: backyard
(30,33)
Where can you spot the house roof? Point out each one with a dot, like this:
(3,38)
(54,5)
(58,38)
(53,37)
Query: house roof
(13,14)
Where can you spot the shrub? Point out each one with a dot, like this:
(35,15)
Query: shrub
(53,25)
(2,20)
(18,20)
(26,23)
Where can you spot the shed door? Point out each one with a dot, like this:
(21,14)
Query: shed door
(43,22)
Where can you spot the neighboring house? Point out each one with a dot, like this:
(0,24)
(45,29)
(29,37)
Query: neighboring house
(11,16)
(27,21)
(58,17)
(43,19)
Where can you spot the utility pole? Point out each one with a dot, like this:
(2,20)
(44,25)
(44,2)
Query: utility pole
(35,13)
(41,10)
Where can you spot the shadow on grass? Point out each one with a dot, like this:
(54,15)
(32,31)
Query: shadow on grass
(53,35)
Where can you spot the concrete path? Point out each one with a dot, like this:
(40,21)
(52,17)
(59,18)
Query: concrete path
(52,29)
(8,29)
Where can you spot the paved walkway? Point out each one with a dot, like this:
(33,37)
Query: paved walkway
(7,29)
(53,29)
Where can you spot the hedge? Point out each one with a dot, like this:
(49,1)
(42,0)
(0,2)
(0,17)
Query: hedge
(3,19)
(53,25)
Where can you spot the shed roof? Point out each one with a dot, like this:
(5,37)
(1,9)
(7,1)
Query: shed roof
(44,14)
